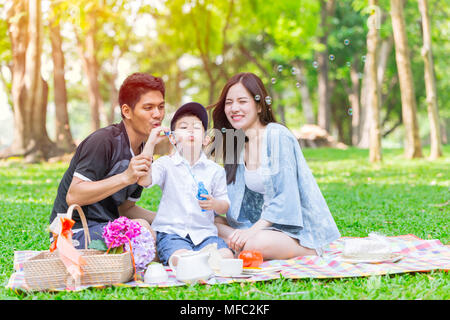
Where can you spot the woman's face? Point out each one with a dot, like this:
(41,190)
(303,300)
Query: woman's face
(240,108)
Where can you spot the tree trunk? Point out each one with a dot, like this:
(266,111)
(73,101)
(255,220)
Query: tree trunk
(373,92)
(324,112)
(337,116)
(384,52)
(178,96)
(113,98)
(307,105)
(29,90)
(277,96)
(113,91)
(413,148)
(364,114)
(63,136)
(353,97)
(87,50)
(430,83)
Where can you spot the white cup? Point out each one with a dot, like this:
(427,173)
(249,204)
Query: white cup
(231,267)
(155,273)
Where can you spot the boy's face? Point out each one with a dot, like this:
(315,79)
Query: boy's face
(189,132)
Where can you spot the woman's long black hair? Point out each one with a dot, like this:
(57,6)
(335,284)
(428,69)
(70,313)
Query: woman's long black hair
(256,88)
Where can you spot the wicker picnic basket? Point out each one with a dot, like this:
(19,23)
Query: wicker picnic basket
(46,271)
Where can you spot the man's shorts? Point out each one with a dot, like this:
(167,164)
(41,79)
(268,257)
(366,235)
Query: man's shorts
(167,244)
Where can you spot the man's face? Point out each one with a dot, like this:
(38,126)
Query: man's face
(147,114)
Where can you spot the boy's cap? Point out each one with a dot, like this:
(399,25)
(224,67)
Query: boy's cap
(194,108)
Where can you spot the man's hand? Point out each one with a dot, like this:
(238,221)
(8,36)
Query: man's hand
(156,136)
(138,167)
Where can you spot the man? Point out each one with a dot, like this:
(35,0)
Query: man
(102,175)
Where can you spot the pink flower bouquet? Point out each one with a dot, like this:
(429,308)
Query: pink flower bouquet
(120,233)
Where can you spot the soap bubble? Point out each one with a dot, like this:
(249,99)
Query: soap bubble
(297,84)
(224,130)
(331,57)
(350,111)
(257,97)
(348,64)
(315,64)
(293,70)
(268,100)
(364,58)
(280,68)
(274,80)
(346,42)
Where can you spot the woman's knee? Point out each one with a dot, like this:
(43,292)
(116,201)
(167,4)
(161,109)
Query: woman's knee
(257,242)
(276,245)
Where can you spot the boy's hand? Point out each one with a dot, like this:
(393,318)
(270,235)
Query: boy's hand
(218,206)
(207,204)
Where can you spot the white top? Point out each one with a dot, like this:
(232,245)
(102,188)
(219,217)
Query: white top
(179,211)
(254,180)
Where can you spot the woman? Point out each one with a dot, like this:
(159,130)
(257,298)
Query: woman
(276,205)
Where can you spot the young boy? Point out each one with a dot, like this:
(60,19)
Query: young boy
(183,223)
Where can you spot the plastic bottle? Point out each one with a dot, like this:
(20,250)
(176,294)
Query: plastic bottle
(201,190)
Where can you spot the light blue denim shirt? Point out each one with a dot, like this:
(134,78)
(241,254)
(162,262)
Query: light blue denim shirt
(294,203)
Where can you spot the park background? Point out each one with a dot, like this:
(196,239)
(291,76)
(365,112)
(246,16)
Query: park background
(371,75)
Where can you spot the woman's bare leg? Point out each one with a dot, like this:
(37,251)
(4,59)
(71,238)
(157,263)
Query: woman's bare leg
(226,253)
(277,245)
(272,244)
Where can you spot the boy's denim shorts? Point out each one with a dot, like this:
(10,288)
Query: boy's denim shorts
(167,244)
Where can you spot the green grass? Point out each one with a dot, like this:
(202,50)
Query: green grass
(395,197)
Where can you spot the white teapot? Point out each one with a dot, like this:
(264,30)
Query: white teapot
(191,267)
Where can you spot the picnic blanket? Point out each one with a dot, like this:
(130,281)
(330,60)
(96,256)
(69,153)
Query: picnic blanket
(417,255)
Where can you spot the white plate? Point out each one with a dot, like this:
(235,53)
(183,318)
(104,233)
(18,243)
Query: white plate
(261,270)
(240,276)
(390,258)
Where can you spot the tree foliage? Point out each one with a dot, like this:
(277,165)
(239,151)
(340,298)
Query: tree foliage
(196,45)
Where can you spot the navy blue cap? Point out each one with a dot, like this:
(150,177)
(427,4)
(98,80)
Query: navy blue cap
(194,108)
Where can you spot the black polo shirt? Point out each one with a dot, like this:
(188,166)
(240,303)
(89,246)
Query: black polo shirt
(103,154)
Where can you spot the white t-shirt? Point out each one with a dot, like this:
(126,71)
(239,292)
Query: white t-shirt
(254,180)
(179,211)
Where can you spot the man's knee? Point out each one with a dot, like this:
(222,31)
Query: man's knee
(144,223)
